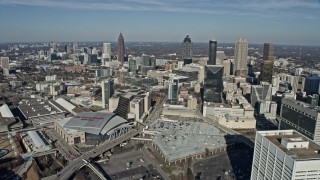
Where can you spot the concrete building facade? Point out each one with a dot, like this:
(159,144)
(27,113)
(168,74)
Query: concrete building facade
(285,154)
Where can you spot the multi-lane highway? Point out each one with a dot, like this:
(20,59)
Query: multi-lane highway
(64,148)
(77,163)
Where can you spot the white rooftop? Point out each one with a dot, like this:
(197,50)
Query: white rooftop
(179,139)
(5,111)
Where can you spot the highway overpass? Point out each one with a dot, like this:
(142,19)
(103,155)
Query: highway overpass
(77,163)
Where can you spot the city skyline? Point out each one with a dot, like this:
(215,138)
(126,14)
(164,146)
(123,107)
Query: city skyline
(285,22)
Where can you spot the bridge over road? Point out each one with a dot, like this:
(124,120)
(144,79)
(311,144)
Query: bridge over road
(77,163)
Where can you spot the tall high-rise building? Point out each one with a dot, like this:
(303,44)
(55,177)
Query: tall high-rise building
(5,65)
(300,116)
(107,91)
(213,83)
(240,57)
(212,52)
(266,71)
(145,60)
(153,61)
(268,52)
(54,46)
(312,84)
(94,50)
(267,63)
(133,66)
(121,49)
(220,57)
(106,50)
(285,154)
(67,49)
(173,90)
(186,54)
(75,47)
(5,62)
(226,67)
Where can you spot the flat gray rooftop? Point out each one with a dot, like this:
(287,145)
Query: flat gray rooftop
(179,139)
(37,107)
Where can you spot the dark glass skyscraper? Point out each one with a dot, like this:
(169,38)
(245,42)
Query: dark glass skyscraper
(212,52)
(311,84)
(121,49)
(268,52)
(213,83)
(267,64)
(186,54)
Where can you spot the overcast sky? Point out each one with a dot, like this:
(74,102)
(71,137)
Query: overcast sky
(276,21)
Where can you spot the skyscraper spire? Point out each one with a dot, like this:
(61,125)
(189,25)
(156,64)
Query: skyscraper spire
(121,49)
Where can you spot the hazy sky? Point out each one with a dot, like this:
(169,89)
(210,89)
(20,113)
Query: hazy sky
(276,21)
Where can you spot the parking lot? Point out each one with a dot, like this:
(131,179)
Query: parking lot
(133,164)
(234,165)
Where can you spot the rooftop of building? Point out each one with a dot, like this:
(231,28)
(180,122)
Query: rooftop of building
(221,105)
(35,141)
(214,68)
(175,77)
(65,104)
(98,123)
(62,122)
(37,107)
(239,103)
(184,69)
(179,139)
(304,150)
(302,104)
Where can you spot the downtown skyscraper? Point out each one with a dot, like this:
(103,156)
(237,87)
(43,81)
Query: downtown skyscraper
(212,52)
(107,50)
(240,57)
(268,52)
(213,83)
(121,49)
(267,63)
(186,54)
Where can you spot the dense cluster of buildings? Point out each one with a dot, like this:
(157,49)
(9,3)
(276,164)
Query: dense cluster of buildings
(90,95)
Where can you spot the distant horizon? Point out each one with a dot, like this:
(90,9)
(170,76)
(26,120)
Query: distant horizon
(280,22)
(115,42)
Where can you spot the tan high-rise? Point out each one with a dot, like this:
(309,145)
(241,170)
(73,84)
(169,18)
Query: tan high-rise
(240,57)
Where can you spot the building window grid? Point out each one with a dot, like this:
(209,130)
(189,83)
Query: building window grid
(298,128)
(300,175)
(313,171)
(268,176)
(277,167)
(299,172)
(284,172)
(269,162)
(287,174)
(259,161)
